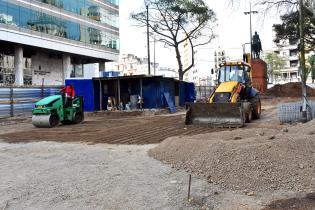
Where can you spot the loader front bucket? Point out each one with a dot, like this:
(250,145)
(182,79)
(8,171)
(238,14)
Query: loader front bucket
(227,115)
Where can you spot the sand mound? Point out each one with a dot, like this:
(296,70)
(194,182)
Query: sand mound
(292,89)
(247,159)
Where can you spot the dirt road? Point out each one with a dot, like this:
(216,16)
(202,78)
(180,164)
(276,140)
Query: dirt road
(66,173)
(131,130)
(51,175)
(123,129)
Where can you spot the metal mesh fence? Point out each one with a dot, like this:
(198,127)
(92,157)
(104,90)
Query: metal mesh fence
(203,92)
(291,112)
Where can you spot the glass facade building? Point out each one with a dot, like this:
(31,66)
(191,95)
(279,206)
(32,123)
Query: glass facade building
(86,22)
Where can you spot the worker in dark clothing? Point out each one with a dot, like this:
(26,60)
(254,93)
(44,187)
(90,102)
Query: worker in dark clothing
(69,94)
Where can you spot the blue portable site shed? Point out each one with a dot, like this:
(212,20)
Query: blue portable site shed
(156,91)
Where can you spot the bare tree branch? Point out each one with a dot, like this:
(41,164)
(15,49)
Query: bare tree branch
(177,21)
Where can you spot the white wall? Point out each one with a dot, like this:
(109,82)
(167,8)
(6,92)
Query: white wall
(46,67)
(91,70)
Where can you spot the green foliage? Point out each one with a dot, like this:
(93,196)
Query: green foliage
(275,63)
(289,29)
(311,66)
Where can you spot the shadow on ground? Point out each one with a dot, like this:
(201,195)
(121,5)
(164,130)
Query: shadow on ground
(305,203)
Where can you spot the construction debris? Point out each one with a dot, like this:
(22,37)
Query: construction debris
(292,89)
(253,163)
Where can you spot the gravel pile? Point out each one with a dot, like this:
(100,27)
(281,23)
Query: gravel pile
(247,160)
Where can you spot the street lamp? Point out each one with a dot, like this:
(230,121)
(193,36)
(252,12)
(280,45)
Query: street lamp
(154,61)
(250,26)
(148,39)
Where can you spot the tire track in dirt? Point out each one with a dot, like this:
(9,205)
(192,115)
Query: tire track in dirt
(132,130)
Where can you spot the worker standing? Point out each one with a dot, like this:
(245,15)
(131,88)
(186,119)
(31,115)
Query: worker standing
(69,94)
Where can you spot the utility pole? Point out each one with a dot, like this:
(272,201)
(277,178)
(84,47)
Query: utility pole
(154,56)
(302,59)
(250,27)
(148,40)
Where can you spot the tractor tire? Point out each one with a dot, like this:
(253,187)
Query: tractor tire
(54,120)
(256,105)
(78,117)
(249,115)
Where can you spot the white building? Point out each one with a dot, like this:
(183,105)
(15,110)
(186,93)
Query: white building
(219,58)
(167,72)
(130,64)
(192,75)
(291,70)
(57,38)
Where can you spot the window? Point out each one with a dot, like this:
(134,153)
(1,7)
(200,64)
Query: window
(233,73)
(77,70)
(292,42)
(19,16)
(87,8)
(293,52)
(294,75)
(294,63)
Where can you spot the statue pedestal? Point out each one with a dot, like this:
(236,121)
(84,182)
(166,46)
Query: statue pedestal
(259,75)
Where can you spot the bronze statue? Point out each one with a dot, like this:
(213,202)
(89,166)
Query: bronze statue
(256,46)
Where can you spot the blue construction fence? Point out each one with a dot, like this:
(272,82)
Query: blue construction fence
(157,92)
(21,100)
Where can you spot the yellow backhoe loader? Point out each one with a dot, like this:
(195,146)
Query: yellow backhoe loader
(233,102)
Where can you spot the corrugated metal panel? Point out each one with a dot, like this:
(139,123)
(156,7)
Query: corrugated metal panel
(85,88)
(190,93)
(151,94)
(23,99)
(167,91)
(182,93)
(4,110)
(153,89)
(167,86)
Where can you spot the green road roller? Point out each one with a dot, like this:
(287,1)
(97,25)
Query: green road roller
(51,111)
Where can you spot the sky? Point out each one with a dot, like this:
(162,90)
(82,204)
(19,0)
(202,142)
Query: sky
(232,30)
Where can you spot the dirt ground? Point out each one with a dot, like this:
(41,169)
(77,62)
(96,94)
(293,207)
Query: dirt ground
(131,130)
(261,159)
(152,129)
(291,89)
(50,175)
(118,128)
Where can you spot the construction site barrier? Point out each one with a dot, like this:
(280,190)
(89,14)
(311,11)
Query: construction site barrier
(291,112)
(20,100)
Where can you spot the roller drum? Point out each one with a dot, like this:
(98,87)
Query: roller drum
(45,121)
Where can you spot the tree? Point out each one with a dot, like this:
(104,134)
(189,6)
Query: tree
(289,29)
(275,64)
(302,25)
(179,22)
(291,6)
(311,67)
(268,5)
